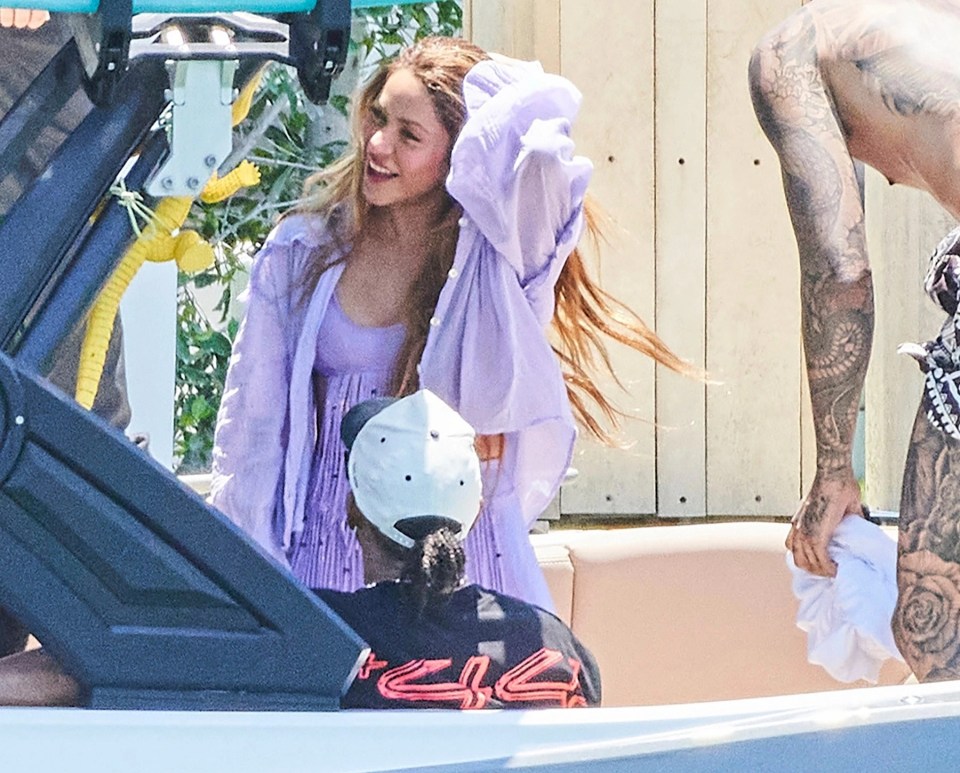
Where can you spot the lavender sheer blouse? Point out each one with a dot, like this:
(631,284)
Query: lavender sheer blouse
(296,367)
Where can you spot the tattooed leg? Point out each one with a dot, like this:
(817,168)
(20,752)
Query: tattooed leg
(926,623)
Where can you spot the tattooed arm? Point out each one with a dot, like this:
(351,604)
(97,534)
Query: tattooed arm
(837,332)
(824,198)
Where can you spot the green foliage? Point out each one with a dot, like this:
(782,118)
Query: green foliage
(202,355)
(393,27)
(283,136)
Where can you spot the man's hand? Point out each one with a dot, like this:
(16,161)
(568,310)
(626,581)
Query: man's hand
(832,496)
(23,18)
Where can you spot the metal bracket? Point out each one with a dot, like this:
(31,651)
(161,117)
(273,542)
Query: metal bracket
(200,134)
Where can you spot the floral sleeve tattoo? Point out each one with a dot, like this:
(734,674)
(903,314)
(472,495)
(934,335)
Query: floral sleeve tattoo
(926,624)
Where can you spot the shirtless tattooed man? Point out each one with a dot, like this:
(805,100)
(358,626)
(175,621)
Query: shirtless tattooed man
(842,82)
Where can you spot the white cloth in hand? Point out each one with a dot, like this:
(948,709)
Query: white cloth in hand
(847,617)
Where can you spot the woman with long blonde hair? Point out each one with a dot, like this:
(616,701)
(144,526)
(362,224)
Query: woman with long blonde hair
(437,253)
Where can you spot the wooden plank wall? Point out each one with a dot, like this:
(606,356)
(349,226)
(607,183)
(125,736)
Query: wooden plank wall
(681,239)
(753,312)
(903,228)
(701,248)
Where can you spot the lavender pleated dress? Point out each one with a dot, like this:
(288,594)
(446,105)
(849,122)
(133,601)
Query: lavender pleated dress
(354,363)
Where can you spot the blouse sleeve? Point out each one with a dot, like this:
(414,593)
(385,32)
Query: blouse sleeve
(513,168)
(251,432)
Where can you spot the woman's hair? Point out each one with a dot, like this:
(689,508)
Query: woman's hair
(433,568)
(584,311)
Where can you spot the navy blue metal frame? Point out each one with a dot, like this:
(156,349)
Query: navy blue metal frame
(50,91)
(69,191)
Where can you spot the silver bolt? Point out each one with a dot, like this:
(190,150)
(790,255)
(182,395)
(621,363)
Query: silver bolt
(210,161)
(167,182)
(193,183)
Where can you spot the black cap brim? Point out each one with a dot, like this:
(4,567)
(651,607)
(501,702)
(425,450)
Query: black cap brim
(419,526)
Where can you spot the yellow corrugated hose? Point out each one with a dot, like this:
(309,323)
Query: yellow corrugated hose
(218,189)
(158,243)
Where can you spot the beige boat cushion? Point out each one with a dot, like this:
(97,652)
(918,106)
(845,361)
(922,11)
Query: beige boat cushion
(678,614)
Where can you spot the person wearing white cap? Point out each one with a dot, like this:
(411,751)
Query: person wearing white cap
(435,641)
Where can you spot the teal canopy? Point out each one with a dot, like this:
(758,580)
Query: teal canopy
(194,6)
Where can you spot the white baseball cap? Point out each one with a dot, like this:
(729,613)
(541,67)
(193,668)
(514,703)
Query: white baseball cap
(412,466)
